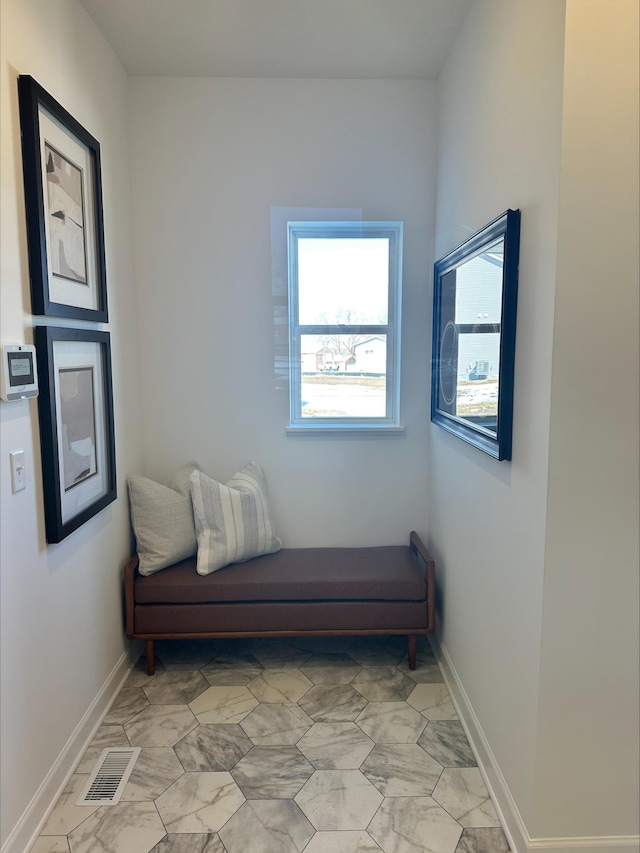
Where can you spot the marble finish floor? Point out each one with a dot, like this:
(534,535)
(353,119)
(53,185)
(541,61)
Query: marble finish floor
(321,745)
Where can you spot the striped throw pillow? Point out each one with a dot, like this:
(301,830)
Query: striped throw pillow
(233,521)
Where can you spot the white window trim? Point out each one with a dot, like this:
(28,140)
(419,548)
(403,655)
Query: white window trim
(392,329)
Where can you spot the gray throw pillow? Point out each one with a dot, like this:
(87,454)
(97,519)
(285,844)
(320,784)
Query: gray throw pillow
(162,519)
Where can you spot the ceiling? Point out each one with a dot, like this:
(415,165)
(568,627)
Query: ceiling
(395,39)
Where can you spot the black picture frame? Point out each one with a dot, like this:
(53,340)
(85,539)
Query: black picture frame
(77,439)
(63,203)
(474,335)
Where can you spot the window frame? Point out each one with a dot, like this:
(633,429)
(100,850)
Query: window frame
(391,330)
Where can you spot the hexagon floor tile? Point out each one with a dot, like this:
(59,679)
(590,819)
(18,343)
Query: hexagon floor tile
(446,741)
(401,770)
(175,687)
(129,702)
(212,747)
(339,799)
(383,684)
(424,673)
(154,771)
(391,722)
(276,724)
(335,746)
(223,704)
(199,802)
(314,744)
(279,685)
(51,844)
(348,841)
(232,669)
(160,725)
(484,840)
(190,843)
(333,703)
(119,829)
(272,772)
(66,815)
(330,669)
(106,736)
(461,791)
(411,824)
(275,826)
(138,676)
(433,702)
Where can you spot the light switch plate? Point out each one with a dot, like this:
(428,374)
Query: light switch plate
(18,474)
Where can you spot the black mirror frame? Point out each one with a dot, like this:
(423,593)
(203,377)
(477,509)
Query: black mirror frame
(499,443)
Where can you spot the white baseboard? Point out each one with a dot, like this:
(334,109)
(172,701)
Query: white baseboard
(25,832)
(506,807)
(602,844)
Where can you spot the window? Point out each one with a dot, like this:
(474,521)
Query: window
(344,324)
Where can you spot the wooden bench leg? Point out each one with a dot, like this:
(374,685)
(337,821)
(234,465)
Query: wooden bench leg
(412,642)
(151,663)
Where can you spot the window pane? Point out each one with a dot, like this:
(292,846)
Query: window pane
(343,376)
(478,360)
(479,287)
(343,280)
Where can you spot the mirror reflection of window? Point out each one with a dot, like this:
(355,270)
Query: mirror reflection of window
(478,307)
(475,297)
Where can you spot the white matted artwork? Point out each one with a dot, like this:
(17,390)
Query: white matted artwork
(76,426)
(77,394)
(65,216)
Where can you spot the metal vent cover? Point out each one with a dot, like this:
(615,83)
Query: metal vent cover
(109,777)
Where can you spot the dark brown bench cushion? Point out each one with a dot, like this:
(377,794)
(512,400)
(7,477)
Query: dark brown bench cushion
(293,574)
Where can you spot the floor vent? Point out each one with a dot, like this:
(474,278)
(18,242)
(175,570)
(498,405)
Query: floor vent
(109,776)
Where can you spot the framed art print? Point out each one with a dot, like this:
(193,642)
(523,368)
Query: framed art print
(63,202)
(76,426)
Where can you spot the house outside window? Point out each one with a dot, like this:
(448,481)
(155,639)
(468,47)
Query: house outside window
(344,324)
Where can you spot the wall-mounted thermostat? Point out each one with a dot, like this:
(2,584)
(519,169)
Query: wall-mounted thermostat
(19,375)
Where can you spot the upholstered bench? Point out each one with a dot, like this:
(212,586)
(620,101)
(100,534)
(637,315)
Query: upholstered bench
(294,592)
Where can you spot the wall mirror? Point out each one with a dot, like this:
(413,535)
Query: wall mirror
(474,329)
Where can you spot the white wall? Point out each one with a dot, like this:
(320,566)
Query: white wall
(520,584)
(210,160)
(500,119)
(539,613)
(587,758)
(62,632)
